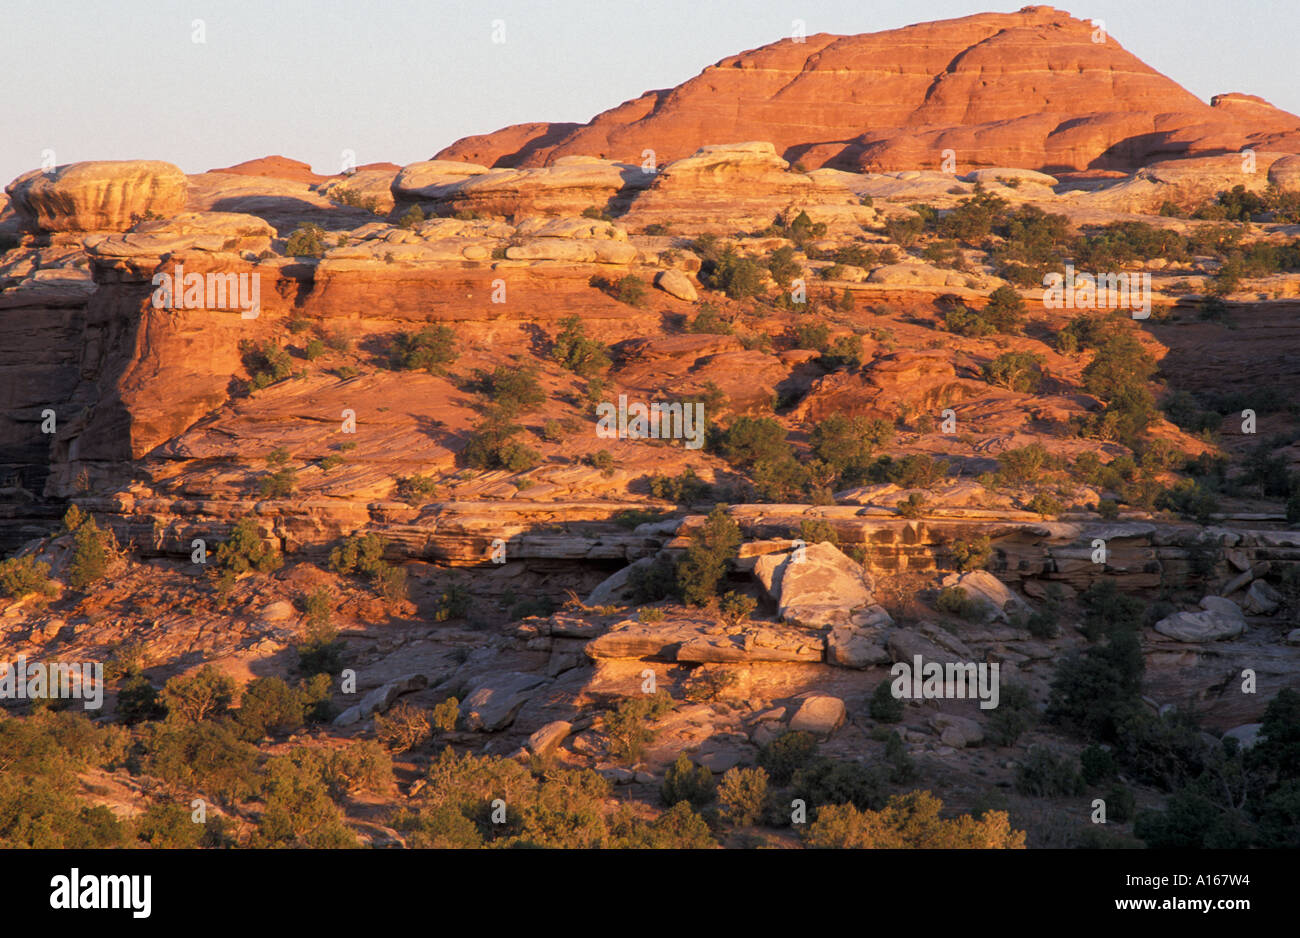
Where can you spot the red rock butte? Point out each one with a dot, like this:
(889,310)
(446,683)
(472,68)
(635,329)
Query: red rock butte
(1037,89)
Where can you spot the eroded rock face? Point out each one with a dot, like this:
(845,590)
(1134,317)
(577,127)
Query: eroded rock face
(102,195)
(1030,89)
(1218,619)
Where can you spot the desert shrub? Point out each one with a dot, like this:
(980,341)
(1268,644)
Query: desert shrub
(269,707)
(1015,371)
(1045,622)
(266,365)
(844,352)
(493,445)
(973,554)
(631,290)
(430,349)
(1024,464)
(684,489)
(1044,774)
(814,336)
(1191,500)
(1097,765)
(627,726)
(244,551)
(824,781)
(954,601)
(205,694)
(709,322)
(93,549)
(910,821)
(576,352)
(403,727)
(416,489)
(959,319)
(738,277)
(678,828)
(167,825)
(1004,310)
(1095,691)
(298,810)
(1106,609)
(703,567)
(903,230)
(206,756)
(1119,364)
(686,781)
(787,754)
(538,606)
(137,700)
(361,766)
(783,267)
(742,795)
(885,707)
(1014,714)
(735,608)
(411,218)
(654,582)
(1045,504)
(913,506)
(445,715)
(25,576)
(751,440)
(320,650)
(307,240)
(513,390)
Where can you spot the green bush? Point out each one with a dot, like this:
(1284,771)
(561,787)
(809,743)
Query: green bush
(403,727)
(825,781)
(684,489)
(24,576)
(430,349)
(708,322)
(954,601)
(1016,371)
(738,277)
(631,290)
(628,725)
(703,567)
(269,707)
(307,240)
(493,445)
(266,365)
(1097,765)
(205,694)
(1014,714)
(244,551)
(783,267)
(413,217)
(742,795)
(1044,774)
(787,754)
(885,707)
(93,549)
(973,554)
(576,352)
(298,811)
(686,781)
(1004,310)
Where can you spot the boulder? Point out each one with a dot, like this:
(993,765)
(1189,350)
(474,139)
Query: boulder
(1261,599)
(675,283)
(381,698)
(493,701)
(548,737)
(102,195)
(819,586)
(990,592)
(956,731)
(820,714)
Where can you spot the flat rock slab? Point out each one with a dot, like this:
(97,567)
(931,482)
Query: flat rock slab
(494,700)
(1205,626)
(702,643)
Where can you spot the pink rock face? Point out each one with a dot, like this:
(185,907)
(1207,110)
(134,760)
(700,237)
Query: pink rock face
(108,195)
(1030,89)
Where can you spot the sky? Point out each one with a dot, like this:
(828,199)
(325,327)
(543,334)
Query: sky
(397,80)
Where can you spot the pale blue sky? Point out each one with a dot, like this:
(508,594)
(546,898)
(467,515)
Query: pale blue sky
(399,79)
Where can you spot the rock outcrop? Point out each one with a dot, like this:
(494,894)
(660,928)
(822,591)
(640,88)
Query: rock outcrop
(106,195)
(1038,89)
